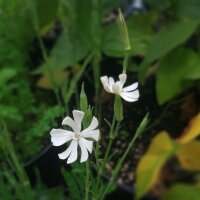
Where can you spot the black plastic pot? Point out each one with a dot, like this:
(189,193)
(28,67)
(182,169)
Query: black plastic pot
(49,166)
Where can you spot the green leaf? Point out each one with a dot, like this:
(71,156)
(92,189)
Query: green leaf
(118,108)
(160,150)
(140,34)
(187,8)
(10,112)
(67,51)
(172,72)
(142,125)
(6,74)
(182,192)
(51,10)
(166,40)
(43,123)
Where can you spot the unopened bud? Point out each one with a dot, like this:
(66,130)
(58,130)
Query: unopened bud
(123,31)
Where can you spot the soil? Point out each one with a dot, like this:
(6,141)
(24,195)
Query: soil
(172,117)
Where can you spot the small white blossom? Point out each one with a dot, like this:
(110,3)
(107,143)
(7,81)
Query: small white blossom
(129,93)
(77,137)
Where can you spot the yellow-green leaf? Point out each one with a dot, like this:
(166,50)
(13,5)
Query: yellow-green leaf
(192,130)
(189,154)
(147,172)
(47,82)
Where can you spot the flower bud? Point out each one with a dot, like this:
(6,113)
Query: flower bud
(123,31)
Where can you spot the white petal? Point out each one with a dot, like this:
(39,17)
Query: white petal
(60,136)
(78,116)
(125,97)
(70,122)
(104,81)
(92,125)
(131,87)
(92,134)
(88,144)
(66,153)
(122,78)
(134,95)
(73,155)
(84,152)
(111,81)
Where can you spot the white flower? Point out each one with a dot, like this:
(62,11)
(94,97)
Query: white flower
(127,93)
(77,137)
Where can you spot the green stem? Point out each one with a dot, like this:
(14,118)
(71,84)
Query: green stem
(125,62)
(117,168)
(140,130)
(87,181)
(96,73)
(10,151)
(77,77)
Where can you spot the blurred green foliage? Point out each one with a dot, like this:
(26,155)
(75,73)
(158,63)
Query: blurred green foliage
(165,38)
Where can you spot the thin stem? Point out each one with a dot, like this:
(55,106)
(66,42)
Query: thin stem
(96,73)
(118,167)
(125,62)
(15,163)
(87,180)
(140,130)
(77,77)
(35,21)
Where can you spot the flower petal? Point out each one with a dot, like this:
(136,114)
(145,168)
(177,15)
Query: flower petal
(131,87)
(134,95)
(111,81)
(122,79)
(92,125)
(66,153)
(129,99)
(88,144)
(60,136)
(104,81)
(84,152)
(70,122)
(73,156)
(78,116)
(92,134)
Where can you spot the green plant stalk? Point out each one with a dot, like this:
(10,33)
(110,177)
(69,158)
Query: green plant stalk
(96,45)
(19,190)
(118,108)
(87,180)
(77,77)
(35,20)
(96,74)
(15,163)
(112,135)
(125,62)
(140,129)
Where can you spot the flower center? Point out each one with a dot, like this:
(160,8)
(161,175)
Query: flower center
(77,136)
